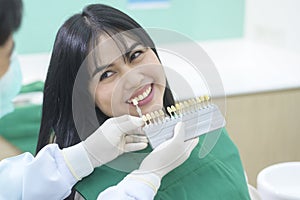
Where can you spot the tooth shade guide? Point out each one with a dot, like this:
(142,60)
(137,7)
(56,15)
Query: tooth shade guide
(202,101)
(191,105)
(138,110)
(148,116)
(198,101)
(194,102)
(198,119)
(157,116)
(162,114)
(169,111)
(181,108)
(145,120)
(174,110)
(153,117)
(177,106)
(207,98)
(186,106)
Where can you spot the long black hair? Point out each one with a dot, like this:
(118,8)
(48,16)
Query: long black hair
(10,18)
(74,41)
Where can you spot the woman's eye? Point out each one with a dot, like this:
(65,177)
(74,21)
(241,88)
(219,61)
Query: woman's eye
(135,55)
(106,74)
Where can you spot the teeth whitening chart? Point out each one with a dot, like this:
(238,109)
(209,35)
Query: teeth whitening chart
(198,114)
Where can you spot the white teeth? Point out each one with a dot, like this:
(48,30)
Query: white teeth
(141,96)
(145,94)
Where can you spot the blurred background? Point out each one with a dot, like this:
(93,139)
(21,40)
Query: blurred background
(200,20)
(254,44)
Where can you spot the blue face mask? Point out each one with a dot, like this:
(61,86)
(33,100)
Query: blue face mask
(10,84)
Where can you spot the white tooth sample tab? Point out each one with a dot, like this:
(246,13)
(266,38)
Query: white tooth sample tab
(135,102)
(138,110)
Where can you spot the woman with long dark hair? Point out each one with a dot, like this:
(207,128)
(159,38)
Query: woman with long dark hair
(103,65)
(54,171)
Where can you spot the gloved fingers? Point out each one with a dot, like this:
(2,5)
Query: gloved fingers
(179,132)
(129,125)
(177,141)
(137,131)
(177,138)
(191,144)
(135,139)
(184,151)
(120,119)
(135,146)
(125,118)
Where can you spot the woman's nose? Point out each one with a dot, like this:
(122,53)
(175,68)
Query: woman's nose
(132,77)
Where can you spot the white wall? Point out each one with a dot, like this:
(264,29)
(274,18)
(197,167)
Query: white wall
(274,22)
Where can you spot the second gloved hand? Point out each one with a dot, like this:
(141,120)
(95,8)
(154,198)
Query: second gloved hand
(163,159)
(114,137)
(170,154)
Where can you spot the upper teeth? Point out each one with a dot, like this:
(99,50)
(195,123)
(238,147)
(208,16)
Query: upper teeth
(142,96)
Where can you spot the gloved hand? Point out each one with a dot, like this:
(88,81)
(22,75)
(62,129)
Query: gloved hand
(168,155)
(114,137)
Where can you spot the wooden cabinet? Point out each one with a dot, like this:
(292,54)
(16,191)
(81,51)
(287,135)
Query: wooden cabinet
(266,128)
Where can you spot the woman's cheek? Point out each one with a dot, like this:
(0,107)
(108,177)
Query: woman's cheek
(103,95)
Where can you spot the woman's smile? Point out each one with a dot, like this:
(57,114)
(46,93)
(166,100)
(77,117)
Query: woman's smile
(142,96)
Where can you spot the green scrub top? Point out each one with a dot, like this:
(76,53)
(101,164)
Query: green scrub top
(219,175)
(21,127)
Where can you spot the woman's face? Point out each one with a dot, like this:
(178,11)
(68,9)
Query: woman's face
(124,75)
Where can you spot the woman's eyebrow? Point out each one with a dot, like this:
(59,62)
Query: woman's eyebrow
(99,69)
(128,51)
(133,46)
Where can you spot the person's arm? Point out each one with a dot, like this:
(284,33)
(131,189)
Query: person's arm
(142,184)
(53,172)
(45,176)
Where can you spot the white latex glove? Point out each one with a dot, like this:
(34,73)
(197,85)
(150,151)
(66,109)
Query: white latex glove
(168,155)
(114,137)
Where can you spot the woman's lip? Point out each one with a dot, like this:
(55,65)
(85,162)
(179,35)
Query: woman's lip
(140,92)
(148,98)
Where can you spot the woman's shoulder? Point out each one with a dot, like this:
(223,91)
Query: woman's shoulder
(203,174)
